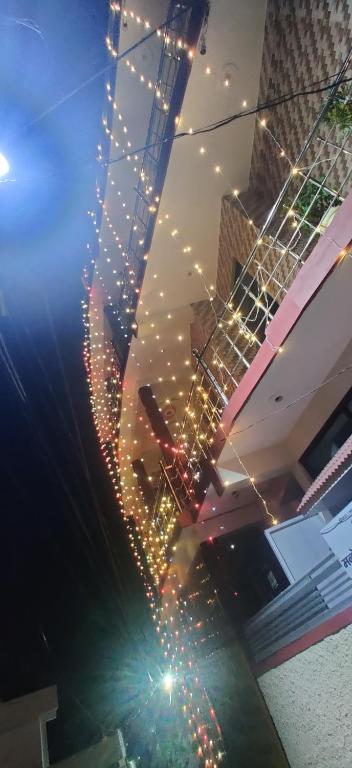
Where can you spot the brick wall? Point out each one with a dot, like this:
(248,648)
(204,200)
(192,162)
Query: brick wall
(304,41)
(236,238)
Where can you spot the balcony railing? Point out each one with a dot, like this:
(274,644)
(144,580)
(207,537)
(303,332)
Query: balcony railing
(183,23)
(323,593)
(174,69)
(316,187)
(157,529)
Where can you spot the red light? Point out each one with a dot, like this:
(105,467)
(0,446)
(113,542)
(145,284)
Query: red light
(210,538)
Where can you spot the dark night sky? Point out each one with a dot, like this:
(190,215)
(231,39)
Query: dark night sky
(57,577)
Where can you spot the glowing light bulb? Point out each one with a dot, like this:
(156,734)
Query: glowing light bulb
(4,165)
(168,682)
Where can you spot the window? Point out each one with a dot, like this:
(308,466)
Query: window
(253,316)
(330,438)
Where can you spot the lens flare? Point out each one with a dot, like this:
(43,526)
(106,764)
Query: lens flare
(4,165)
(168,682)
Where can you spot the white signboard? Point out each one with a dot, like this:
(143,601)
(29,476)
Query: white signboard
(338,535)
(298,545)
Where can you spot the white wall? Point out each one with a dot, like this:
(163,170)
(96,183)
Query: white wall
(321,406)
(22,739)
(310,701)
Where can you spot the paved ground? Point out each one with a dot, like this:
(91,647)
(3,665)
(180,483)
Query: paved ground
(251,739)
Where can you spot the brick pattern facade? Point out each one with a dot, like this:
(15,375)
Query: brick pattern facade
(304,41)
(236,238)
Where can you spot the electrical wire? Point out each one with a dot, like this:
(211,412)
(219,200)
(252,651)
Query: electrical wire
(265,106)
(232,118)
(22,22)
(6,358)
(80,448)
(118,58)
(81,456)
(51,462)
(293,402)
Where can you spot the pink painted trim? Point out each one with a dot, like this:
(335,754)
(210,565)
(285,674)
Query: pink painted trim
(332,471)
(309,280)
(316,635)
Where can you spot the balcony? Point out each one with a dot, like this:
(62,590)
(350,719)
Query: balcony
(118,252)
(314,192)
(192,479)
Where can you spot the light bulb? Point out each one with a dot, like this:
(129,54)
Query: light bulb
(4,165)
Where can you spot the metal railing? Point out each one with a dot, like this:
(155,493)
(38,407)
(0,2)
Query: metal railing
(183,23)
(158,530)
(323,593)
(313,191)
(157,524)
(174,69)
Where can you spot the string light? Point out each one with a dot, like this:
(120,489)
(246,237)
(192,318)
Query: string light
(250,336)
(99,357)
(113,405)
(141,21)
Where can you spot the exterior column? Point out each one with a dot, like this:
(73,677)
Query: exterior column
(143,482)
(157,423)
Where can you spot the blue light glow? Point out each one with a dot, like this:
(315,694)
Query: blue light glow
(4,165)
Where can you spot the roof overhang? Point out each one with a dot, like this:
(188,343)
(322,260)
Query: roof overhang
(273,406)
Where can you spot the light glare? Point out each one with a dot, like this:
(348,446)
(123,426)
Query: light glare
(168,682)
(4,165)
